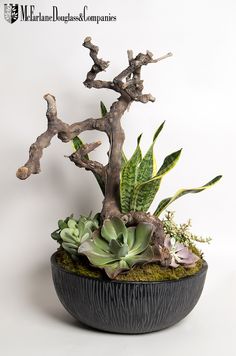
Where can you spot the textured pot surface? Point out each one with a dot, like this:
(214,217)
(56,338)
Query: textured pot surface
(127,307)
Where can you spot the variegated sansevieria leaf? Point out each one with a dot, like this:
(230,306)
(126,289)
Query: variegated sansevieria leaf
(166,202)
(169,163)
(124,159)
(128,178)
(145,192)
(147,167)
(77,143)
(103,110)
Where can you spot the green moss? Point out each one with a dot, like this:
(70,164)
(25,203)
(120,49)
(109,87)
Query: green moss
(147,272)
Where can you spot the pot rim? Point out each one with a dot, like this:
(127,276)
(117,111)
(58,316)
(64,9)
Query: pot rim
(103,280)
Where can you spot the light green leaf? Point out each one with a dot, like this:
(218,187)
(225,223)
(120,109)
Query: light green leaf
(72,223)
(112,228)
(131,236)
(117,249)
(102,244)
(96,256)
(146,256)
(145,192)
(166,202)
(67,235)
(147,167)
(142,238)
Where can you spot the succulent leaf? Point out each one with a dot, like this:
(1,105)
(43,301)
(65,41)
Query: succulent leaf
(118,248)
(72,232)
(112,228)
(180,254)
(166,202)
(143,234)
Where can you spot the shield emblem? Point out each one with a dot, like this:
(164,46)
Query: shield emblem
(11,12)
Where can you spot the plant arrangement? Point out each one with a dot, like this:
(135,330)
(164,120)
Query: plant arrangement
(125,239)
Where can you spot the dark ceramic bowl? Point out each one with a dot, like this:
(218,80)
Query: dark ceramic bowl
(127,307)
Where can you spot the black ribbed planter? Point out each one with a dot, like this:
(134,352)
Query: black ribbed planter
(127,307)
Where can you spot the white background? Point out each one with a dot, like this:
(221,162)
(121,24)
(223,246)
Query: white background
(195,91)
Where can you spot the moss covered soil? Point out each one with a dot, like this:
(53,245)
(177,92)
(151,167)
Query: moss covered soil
(147,272)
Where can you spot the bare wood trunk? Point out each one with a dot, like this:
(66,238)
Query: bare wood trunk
(111,203)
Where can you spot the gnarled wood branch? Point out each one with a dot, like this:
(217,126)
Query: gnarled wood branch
(80,159)
(55,127)
(129,85)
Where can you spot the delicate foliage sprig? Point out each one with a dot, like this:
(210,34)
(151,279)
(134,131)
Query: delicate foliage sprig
(181,232)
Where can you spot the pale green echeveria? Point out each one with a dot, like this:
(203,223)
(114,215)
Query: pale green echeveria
(118,248)
(71,232)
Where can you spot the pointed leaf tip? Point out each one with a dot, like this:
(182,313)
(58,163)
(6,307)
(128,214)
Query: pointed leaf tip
(103,109)
(156,134)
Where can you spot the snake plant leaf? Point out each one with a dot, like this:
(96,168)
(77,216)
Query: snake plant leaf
(166,202)
(129,177)
(124,159)
(144,193)
(77,143)
(147,166)
(169,163)
(103,109)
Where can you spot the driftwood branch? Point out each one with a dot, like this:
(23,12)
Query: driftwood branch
(133,86)
(129,85)
(80,159)
(55,127)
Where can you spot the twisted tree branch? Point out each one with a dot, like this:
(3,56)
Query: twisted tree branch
(80,159)
(55,127)
(129,85)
